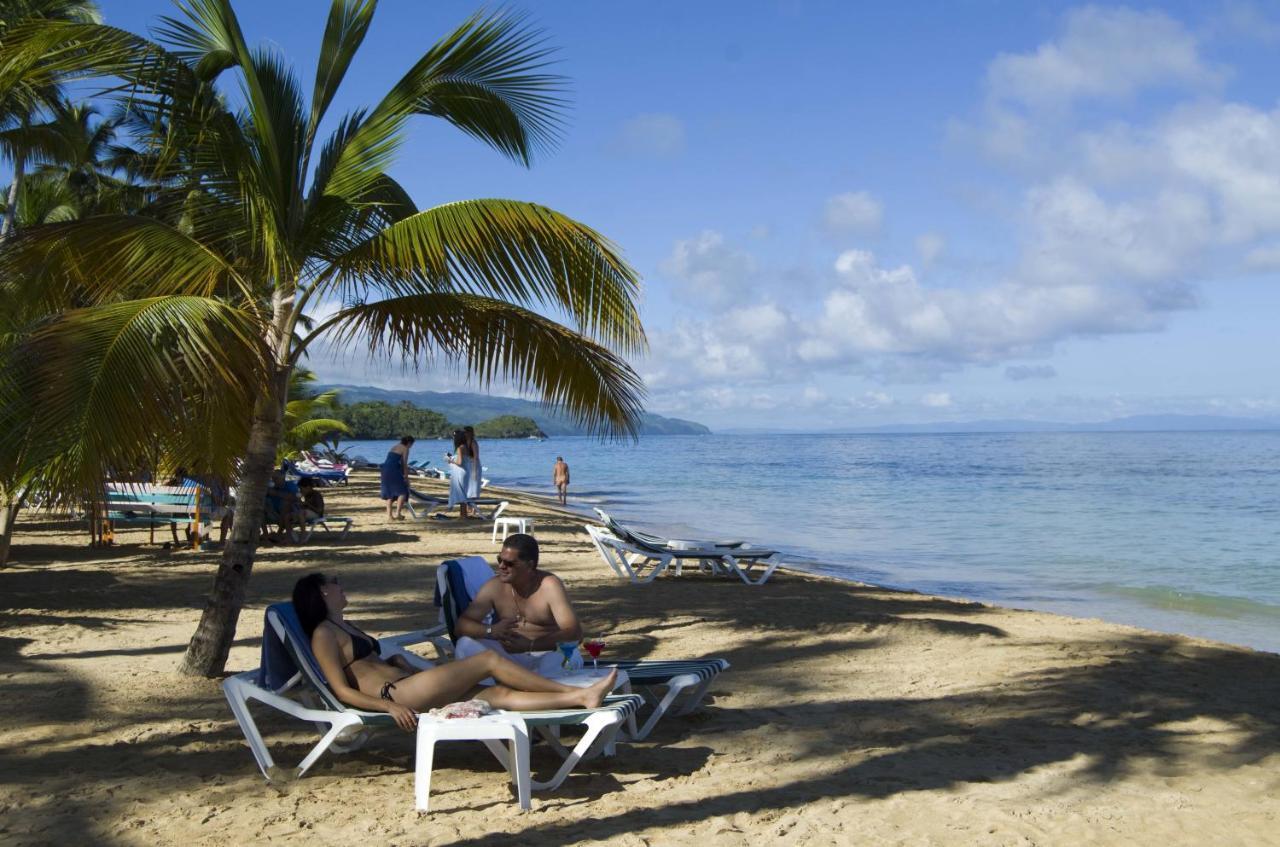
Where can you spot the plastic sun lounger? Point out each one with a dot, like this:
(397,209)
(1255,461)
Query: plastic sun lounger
(645,539)
(661,682)
(323,521)
(427,502)
(629,559)
(290,668)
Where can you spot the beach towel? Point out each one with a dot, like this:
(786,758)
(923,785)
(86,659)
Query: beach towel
(277,665)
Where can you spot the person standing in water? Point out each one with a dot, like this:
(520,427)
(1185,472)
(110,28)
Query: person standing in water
(560,478)
(394,478)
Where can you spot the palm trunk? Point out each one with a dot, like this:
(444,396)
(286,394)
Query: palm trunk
(207,653)
(11,202)
(9,508)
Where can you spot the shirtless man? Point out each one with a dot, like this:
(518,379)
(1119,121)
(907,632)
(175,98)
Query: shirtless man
(531,610)
(560,477)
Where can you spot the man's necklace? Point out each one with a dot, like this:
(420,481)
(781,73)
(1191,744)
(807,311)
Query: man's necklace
(515,598)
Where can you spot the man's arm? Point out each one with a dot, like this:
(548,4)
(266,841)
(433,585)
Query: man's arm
(472,624)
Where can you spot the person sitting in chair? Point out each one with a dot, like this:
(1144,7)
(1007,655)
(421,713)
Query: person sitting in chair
(312,499)
(531,610)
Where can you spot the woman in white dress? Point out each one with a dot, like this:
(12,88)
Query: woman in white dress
(477,470)
(459,468)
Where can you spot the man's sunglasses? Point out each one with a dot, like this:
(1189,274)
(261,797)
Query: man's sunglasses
(507,563)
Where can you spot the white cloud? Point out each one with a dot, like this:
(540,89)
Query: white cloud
(1101,53)
(930,246)
(854,212)
(814,396)
(936,400)
(1263,258)
(651,134)
(872,400)
(711,269)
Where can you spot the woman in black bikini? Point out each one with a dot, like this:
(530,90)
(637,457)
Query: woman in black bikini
(360,678)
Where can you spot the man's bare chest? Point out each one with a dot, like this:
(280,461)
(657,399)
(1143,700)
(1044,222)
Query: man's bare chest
(535,608)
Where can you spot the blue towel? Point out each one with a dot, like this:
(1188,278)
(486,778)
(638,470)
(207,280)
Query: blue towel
(278,666)
(460,596)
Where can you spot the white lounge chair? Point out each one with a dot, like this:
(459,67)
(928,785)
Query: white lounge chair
(630,559)
(289,668)
(675,686)
(310,525)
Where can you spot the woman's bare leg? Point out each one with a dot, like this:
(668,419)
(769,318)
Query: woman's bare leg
(448,683)
(532,701)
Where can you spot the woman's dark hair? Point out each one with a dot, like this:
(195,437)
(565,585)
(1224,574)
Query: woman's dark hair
(407,440)
(470,430)
(459,437)
(309,603)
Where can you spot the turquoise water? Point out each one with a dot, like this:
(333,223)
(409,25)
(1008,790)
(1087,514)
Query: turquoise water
(1177,532)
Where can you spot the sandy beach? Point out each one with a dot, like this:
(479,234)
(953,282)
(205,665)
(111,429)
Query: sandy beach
(851,714)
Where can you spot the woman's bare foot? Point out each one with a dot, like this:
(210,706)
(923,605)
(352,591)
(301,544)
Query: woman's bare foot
(594,695)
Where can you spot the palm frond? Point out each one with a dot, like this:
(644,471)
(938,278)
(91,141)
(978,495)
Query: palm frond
(343,34)
(492,340)
(98,259)
(94,388)
(516,251)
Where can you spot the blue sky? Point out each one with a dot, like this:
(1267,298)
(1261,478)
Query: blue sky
(854,213)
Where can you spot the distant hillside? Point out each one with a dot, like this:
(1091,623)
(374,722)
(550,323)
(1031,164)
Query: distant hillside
(472,408)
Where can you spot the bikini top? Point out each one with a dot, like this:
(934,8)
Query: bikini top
(362,645)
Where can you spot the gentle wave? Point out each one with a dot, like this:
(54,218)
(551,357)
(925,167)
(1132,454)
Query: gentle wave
(1197,603)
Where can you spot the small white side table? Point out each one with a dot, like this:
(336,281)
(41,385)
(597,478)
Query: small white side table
(492,730)
(511,524)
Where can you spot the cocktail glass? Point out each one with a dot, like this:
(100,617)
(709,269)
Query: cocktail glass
(566,649)
(594,647)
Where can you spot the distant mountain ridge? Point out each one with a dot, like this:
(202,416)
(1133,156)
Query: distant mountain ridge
(473,408)
(1133,423)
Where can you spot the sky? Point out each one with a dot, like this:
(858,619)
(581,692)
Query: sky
(851,214)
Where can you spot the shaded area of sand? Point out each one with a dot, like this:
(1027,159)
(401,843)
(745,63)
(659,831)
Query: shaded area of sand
(852,714)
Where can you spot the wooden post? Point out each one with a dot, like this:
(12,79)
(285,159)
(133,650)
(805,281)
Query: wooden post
(195,535)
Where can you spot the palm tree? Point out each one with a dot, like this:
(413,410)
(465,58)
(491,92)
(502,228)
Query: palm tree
(29,89)
(258,226)
(302,425)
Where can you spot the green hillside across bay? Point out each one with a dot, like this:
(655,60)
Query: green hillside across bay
(476,408)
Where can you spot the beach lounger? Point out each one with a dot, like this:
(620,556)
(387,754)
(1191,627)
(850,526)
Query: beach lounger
(675,686)
(289,670)
(629,559)
(324,521)
(426,502)
(630,533)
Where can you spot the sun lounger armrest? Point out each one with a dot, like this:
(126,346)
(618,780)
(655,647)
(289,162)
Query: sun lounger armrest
(396,644)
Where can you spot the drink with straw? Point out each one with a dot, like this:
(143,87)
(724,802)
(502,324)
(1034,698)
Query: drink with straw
(594,647)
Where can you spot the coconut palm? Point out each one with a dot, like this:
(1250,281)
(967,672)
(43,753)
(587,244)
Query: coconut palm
(29,89)
(302,425)
(263,223)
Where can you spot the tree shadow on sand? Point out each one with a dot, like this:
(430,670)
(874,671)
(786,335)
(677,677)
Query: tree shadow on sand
(1129,713)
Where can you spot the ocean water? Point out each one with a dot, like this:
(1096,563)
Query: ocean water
(1178,532)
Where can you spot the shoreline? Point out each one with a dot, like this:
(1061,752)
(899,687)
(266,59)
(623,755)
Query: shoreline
(810,566)
(851,713)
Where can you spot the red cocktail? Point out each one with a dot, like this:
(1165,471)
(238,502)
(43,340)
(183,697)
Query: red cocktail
(593,647)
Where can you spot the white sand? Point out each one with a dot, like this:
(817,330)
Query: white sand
(851,715)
